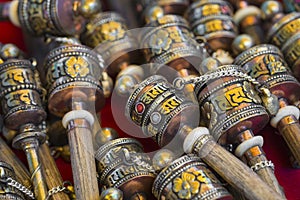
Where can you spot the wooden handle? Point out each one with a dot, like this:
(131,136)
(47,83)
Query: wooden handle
(8,156)
(51,173)
(82,160)
(236,173)
(290,130)
(255,157)
(266,173)
(230,168)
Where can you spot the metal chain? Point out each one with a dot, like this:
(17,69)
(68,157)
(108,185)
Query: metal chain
(263,164)
(20,187)
(55,190)
(181,82)
(59,189)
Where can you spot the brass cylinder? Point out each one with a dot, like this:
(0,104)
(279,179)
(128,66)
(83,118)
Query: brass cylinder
(190,171)
(266,64)
(168,41)
(73,70)
(155,107)
(54,17)
(283,29)
(108,33)
(123,164)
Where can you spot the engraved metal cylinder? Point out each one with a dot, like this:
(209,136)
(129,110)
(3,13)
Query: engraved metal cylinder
(283,29)
(266,64)
(188,178)
(73,71)
(122,164)
(291,51)
(218,30)
(160,110)
(7,191)
(205,8)
(54,17)
(108,34)
(20,94)
(230,104)
(169,41)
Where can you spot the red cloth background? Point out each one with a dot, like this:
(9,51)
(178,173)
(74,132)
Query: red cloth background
(274,146)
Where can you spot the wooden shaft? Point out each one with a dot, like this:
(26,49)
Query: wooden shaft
(266,174)
(236,173)
(255,156)
(8,156)
(289,128)
(82,160)
(51,173)
(38,180)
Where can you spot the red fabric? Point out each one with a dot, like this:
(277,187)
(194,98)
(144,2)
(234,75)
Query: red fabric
(274,145)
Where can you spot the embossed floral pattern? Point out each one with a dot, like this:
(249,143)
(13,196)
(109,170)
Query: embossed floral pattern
(186,185)
(160,41)
(176,36)
(77,67)
(112,31)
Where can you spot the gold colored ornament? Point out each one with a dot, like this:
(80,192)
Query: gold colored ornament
(191,180)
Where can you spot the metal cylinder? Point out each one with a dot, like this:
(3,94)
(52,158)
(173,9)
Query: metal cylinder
(291,51)
(73,71)
(107,32)
(123,164)
(266,64)
(190,178)
(54,17)
(205,8)
(20,94)
(158,109)
(225,101)
(219,31)
(169,41)
(284,28)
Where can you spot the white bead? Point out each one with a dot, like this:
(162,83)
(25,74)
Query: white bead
(248,144)
(192,137)
(77,114)
(283,112)
(13,13)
